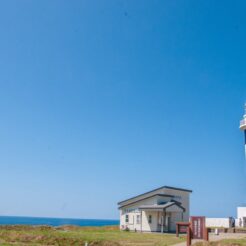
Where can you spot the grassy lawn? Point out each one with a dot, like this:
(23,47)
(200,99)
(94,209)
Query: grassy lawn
(72,235)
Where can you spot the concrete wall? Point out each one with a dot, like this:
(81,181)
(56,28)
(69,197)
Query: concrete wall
(237,223)
(241,217)
(218,222)
(241,212)
(154,225)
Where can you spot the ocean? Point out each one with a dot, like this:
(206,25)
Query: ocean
(16,220)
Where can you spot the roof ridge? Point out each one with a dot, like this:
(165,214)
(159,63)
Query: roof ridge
(162,187)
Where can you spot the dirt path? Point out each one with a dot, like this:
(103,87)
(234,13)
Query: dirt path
(221,236)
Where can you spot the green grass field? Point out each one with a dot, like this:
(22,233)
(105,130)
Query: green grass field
(72,235)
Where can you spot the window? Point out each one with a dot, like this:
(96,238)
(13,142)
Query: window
(150,219)
(127,218)
(138,219)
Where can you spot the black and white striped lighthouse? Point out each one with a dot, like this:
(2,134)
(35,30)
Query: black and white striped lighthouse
(243,127)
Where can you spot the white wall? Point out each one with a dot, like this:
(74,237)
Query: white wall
(132,225)
(145,224)
(237,222)
(241,212)
(241,217)
(218,222)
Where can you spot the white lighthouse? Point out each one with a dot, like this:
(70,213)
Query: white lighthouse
(241,211)
(243,126)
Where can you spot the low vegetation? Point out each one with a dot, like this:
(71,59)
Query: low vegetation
(226,242)
(235,242)
(74,235)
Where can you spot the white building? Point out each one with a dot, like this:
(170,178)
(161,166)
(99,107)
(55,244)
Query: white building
(155,211)
(241,217)
(220,222)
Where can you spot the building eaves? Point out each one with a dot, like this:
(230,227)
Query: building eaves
(167,187)
(139,200)
(162,206)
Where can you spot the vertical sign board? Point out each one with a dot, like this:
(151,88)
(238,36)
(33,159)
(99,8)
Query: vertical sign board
(198,227)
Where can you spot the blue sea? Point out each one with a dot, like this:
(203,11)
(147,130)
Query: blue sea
(14,220)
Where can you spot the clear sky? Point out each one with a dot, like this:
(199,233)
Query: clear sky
(103,100)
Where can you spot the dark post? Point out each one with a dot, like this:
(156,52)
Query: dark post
(141,220)
(188,238)
(206,235)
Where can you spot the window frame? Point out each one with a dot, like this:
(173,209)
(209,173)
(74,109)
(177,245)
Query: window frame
(127,218)
(150,218)
(138,219)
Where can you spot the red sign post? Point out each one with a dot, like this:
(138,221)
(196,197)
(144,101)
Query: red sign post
(181,227)
(196,229)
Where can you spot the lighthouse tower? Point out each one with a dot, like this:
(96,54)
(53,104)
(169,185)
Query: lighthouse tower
(243,126)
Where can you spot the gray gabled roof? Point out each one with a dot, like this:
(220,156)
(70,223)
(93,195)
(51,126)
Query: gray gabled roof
(161,206)
(167,187)
(142,199)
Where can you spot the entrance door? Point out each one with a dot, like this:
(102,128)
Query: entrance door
(164,222)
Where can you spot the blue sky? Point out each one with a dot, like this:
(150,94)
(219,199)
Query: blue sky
(103,100)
